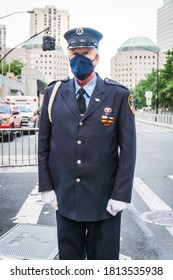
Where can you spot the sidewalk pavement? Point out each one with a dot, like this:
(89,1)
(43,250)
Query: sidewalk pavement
(19,169)
(155,123)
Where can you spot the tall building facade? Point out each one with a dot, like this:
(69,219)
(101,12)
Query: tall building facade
(58,22)
(53,65)
(134,59)
(165,26)
(2,36)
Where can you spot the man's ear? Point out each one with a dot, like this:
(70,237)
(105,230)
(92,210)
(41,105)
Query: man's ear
(96,61)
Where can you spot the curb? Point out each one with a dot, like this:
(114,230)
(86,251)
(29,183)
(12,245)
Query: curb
(155,123)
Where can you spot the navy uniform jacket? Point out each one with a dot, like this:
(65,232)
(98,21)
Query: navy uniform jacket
(79,156)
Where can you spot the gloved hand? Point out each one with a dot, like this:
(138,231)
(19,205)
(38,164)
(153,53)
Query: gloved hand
(115,206)
(50,198)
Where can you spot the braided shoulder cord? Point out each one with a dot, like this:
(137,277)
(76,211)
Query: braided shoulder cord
(51,100)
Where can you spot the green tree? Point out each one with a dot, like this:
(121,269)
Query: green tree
(165,86)
(15,66)
(166,83)
(149,84)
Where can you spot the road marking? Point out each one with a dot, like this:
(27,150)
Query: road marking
(19,169)
(153,201)
(31,209)
(170,176)
(148,233)
(124,257)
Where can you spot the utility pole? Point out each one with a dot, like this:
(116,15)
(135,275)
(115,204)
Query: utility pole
(14,13)
(23,12)
(157,78)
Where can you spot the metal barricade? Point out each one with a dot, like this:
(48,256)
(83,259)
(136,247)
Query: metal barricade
(18,147)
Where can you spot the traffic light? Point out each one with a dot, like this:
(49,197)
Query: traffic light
(48,43)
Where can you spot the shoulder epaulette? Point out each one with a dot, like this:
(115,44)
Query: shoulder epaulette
(52,83)
(63,80)
(114,83)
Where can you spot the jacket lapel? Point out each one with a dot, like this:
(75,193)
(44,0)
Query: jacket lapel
(97,98)
(69,97)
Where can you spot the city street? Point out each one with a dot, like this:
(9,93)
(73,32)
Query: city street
(141,239)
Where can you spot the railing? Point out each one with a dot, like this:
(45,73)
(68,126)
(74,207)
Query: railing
(18,147)
(163,118)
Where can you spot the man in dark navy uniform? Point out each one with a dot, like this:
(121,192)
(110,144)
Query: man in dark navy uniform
(87,150)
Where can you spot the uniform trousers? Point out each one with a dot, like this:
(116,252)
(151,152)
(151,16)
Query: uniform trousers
(88,240)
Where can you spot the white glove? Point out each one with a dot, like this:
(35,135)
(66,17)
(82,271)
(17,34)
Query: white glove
(115,206)
(50,198)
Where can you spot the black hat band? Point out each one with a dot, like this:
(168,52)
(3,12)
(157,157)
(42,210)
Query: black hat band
(82,43)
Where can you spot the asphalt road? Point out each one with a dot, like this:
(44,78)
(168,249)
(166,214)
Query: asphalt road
(153,190)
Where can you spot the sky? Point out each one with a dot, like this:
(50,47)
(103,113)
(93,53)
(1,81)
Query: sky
(117,20)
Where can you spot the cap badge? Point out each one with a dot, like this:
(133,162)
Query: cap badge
(79,31)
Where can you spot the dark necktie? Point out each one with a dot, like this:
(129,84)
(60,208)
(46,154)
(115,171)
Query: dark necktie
(81,101)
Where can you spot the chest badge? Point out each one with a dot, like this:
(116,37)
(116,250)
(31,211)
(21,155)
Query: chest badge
(107,118)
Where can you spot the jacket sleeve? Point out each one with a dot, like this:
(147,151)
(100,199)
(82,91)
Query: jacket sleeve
(45,182)
(127,151)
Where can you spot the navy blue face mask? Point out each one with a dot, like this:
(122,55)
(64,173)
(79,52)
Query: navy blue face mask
(81,66)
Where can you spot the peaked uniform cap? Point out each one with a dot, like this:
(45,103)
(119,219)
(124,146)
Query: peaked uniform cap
(82,37)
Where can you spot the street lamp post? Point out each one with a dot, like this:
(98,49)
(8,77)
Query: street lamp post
(157,82)
(20,12)
(157,85)
(23,12)
(157,78)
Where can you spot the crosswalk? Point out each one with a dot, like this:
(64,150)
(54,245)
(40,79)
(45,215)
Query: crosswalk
(170,176)
(150,198)
(153,201)
(32,207)
(31,210)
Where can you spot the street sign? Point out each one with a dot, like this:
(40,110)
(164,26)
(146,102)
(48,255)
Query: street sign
(148,101)
(148,95)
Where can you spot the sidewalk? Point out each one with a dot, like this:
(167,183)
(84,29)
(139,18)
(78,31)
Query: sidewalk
(155,123)
(19,169)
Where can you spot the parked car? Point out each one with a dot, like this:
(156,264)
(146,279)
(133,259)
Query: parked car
(10,117)
(29,117)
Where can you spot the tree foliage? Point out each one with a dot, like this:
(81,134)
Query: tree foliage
(165,86)
(15,66)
